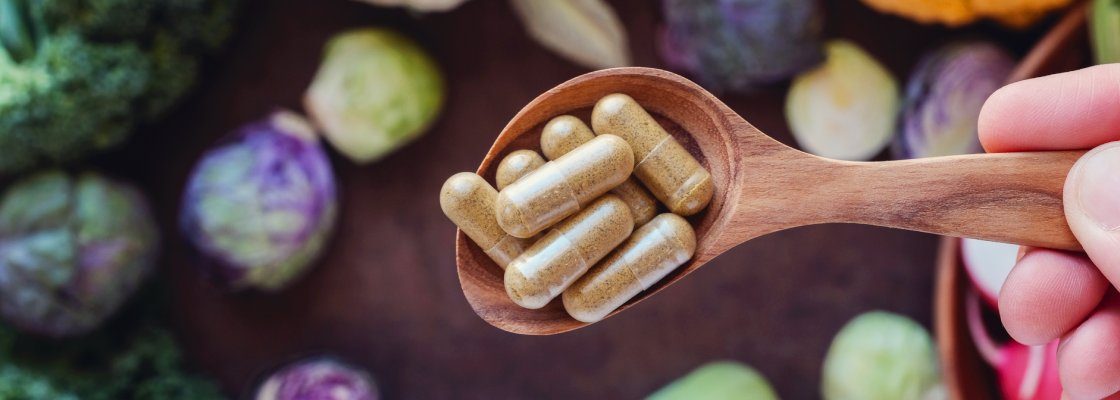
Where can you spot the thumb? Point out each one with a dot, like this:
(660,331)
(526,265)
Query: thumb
(1092,207)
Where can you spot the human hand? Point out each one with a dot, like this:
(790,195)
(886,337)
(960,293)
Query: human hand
(1054,294)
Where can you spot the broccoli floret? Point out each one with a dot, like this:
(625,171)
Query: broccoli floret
(77,76)
(133,357)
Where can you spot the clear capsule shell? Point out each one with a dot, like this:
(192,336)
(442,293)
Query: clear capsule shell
(561,187)
(567,251)
(664,166)
(468,200)
(651,253)
(564,133)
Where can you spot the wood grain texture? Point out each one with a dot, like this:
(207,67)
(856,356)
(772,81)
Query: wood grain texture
(763,186)
(386,295)
(967,376)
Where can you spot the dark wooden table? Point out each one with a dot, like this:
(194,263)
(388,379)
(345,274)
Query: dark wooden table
(386,295)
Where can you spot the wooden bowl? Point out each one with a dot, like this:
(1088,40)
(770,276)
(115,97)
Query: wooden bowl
(966,375)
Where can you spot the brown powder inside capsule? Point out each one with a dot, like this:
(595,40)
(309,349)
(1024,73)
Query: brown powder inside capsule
(468,200)
(653,251)
(564,133)
(566,252)
(516,165)
(663,165)
(558,188)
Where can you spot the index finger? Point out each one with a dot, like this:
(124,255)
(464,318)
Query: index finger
(1066,111)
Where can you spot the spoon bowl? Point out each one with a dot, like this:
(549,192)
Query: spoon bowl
(763,186)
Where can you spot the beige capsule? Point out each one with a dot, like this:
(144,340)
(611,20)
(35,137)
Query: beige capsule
(567,251)
(516,165)
(664,166)
(559,188)
(653,251)
(564,133)
(468,200)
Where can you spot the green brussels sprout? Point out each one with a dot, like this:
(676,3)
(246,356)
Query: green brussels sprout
(722,380)
(374,92)
(72,249)
(881,356)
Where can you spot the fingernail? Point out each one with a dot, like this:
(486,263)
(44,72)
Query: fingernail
(1099,187)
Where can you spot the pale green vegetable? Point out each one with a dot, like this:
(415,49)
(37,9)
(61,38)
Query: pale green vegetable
(846,108)
(375,91)
(1104,28)
(720,380)
(881,356)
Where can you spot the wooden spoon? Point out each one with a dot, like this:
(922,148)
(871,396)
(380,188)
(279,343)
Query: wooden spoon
(763,186)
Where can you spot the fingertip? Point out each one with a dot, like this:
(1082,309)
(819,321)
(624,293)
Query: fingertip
(1047,294)
(1089,360)
(1070,110)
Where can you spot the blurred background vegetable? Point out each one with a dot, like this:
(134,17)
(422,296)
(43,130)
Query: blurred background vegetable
(881,356)
(943,99)
(1014,13)
(739,45)
(722,380)
(1024,372)
(320,379)
(260,206)
(586,32)
(72,249)
(1104,30)
(77,76)
(845,108)
(374,92)
(418,5)
(134,357)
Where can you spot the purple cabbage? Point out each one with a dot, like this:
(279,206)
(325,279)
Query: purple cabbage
(260,206)
(318,379)
(72,250)
(739,45)
(943,98)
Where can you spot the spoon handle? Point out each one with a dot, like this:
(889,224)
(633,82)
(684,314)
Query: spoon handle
(1005,197)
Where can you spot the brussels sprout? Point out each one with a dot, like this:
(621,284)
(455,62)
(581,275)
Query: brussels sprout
(375,91)
(881,356)
(1104,29)
(72,249)
(260,206)
(320,379)
(725,380)
(739,45)
(944,96)
(846,108)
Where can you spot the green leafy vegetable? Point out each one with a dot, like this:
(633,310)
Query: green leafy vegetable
(1104,29)
(76,76)
(375,91)
(134,358)
(724,380)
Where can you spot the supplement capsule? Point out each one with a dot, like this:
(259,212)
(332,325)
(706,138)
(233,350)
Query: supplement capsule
(516,165)
(468,200)
(564,133)
(666,168)
(568,250)
(653,251)
(559,188)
